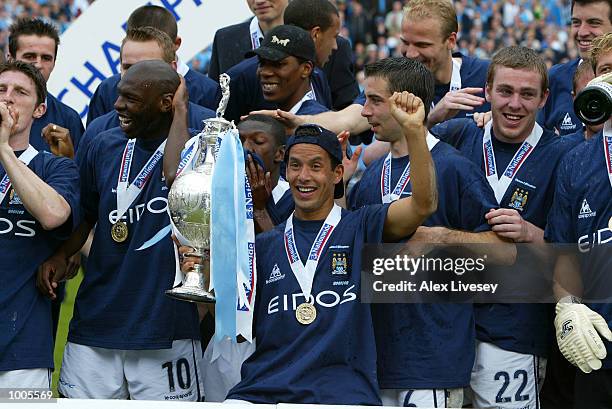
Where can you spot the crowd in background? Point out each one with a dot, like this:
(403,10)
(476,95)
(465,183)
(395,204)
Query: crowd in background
(373,26)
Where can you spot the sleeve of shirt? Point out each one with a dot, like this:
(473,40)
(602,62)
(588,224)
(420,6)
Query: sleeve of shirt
(62,175)
(450,131)
(560,227)
(476,199)
(373,222)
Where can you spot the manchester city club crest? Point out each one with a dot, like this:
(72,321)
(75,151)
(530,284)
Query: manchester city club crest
(519,199)
(14,198)
(339,263)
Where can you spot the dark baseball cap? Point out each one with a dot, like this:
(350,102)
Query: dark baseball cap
(283,41)
(326,139)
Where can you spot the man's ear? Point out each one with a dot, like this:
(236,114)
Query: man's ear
(279,155)
(307,69)
(177,43)
(40,110)
(165,102)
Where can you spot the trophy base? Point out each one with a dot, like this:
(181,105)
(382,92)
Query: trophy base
(191,294)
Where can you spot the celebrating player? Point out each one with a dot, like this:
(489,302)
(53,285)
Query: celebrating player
(413,368)
(38,208)
(152,351)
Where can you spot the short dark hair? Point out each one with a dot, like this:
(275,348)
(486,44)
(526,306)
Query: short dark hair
(144,34)
(518,57)
(586,2)
(154,16)
(271,125)
(405,74)
(32,72)
(30,26)
(308,14)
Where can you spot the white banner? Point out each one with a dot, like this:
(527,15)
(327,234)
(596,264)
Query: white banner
(89,49)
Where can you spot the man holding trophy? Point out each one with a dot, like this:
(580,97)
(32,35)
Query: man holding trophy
(299,347)
(125,331)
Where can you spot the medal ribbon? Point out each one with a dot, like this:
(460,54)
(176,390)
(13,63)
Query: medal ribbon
(187,155)
(455,82)
(25,157)
(256,33)
(607,143)
(305,274)
(127,194)
(500,185)
(385,177)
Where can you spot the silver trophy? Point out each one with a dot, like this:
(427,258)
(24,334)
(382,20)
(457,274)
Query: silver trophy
(189,201)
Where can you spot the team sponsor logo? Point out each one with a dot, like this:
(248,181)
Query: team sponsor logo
(275,275)
(23,228)
(134,214)
(339,263)
(585,210)
(519,199)
(567,123)
(588,241)
(325,299)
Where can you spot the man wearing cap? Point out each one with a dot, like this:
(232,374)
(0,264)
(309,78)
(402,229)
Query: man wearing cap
(315,341)
(286,62)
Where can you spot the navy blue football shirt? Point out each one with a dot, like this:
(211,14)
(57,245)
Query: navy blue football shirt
(523,328)
(121,302)
(333,359)
(59,114)
(26,339)
(441,336)
(558,113)
(582,214)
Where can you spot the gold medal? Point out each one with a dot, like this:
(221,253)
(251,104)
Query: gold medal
(119,231)
(306,313)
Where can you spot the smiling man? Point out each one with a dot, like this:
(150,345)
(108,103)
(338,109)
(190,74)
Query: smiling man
(145,344)
(590,19)
(38,197)
(519,160)
(286,62)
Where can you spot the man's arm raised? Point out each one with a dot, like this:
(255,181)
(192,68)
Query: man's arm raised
(405,215)
(179,133)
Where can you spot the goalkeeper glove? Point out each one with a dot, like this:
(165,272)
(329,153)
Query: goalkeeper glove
(577,328)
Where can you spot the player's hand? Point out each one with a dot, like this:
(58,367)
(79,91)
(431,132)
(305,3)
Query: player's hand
(261,183)
(289,120)
(578,329)
(481,118)
(180,101)
(186,258)
(465,99)
(350,164)
(408,110)
(508,223)
(72,268)
(9,118)
(51,272)
(59,140)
